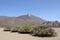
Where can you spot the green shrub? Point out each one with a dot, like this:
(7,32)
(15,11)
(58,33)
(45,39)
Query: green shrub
(25,29)
(14,29)
(7,29)
(43,32)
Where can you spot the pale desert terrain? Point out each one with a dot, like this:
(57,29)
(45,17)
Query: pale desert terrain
(16,36)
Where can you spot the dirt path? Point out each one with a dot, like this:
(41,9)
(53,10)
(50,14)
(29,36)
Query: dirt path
(16,36)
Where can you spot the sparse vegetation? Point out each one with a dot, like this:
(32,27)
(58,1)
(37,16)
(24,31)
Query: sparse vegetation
(14,29)
(7,29)
(42,31)
(25,29)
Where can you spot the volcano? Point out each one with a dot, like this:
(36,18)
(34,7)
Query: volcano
(29,19)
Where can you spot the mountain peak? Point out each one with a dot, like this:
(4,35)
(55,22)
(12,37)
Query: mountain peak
(29,15)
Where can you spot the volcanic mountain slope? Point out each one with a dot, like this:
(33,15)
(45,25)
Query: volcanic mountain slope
(29,19)
(25,19)
(20,20)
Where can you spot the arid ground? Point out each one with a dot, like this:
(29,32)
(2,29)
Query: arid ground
(17,36)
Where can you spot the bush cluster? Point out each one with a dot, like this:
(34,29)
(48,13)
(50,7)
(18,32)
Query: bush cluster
(7,29)
(25,29)
(40,31)
(14,29)
(43,32)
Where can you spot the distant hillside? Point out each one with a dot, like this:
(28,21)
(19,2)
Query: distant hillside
(26,19)
(52,23)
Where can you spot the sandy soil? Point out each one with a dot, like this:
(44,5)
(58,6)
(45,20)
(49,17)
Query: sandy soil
(16,36)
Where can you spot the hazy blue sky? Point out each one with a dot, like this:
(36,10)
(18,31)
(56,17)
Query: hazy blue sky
(46,9)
